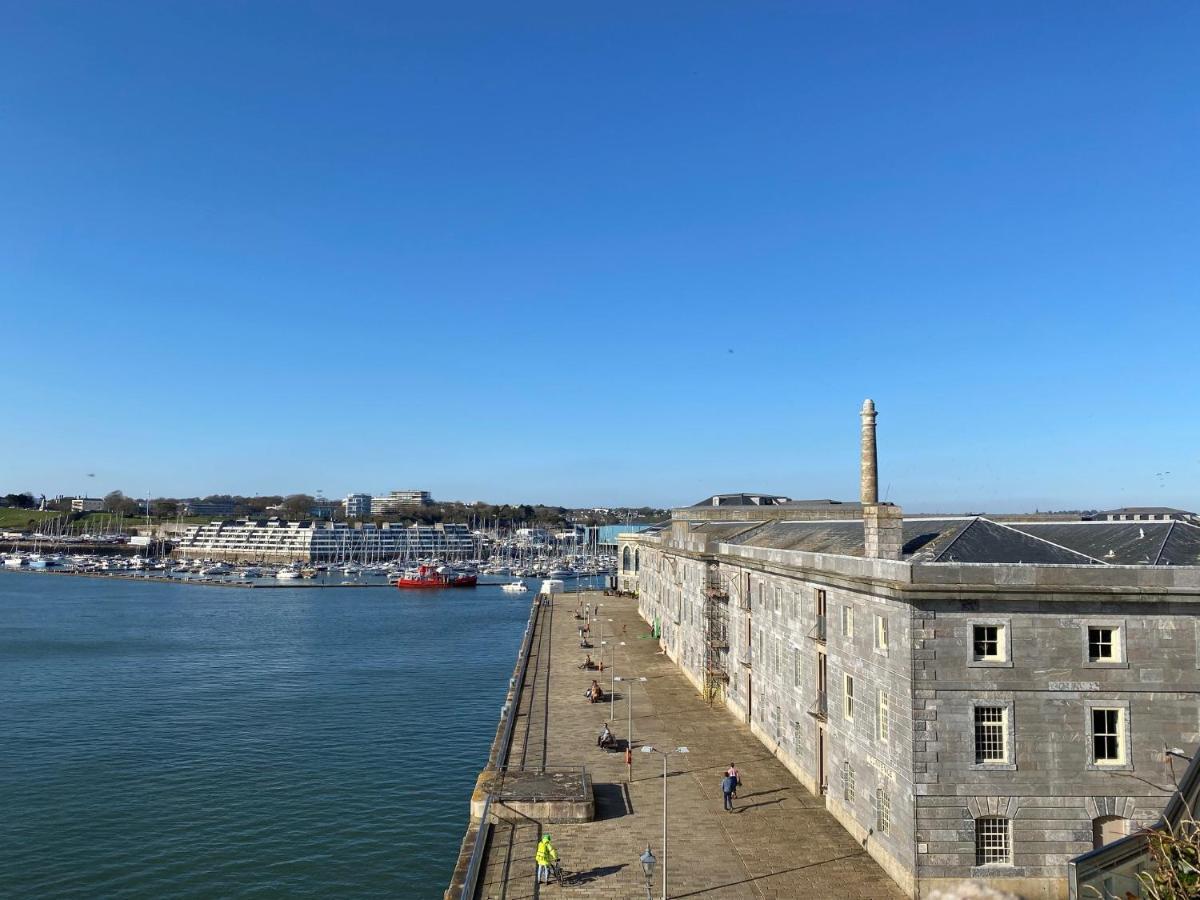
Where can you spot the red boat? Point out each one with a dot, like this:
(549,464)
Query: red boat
(429,577)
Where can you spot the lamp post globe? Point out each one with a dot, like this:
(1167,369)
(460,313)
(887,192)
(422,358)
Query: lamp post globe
(648,862)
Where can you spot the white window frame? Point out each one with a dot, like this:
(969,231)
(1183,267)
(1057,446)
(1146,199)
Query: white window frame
(778,599)
(883,811)
(796,667)
(1004,832)
(847,782)
(847,621)
(1003,657)
(881,633)
(1124,762)
(848,697)
(1120,659)
(883,724)
(1009,763)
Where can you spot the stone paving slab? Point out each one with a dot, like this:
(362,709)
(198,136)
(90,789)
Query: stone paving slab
(778,843)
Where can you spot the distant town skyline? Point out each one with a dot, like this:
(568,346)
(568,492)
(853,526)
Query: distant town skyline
(602,256)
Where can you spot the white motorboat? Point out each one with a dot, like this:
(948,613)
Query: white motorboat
(515,587)
(287,574)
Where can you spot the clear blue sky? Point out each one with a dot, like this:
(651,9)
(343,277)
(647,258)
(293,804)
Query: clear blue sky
(503,251)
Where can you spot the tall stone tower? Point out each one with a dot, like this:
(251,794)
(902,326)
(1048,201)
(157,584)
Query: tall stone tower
(883,523)
(870,456)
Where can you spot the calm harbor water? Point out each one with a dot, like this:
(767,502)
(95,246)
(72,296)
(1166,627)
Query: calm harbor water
(162,740)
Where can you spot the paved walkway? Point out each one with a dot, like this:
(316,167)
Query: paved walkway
(778,843)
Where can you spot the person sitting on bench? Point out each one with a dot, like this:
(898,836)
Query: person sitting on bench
(587,663)
(596,694)
(606,738)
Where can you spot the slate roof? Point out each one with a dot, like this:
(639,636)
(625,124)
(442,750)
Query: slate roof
(747,499)
(976,539)
(742,499)
(843,537)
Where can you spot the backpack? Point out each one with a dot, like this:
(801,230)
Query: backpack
(728,784)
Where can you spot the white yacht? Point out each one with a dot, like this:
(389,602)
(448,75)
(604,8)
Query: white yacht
(515,587)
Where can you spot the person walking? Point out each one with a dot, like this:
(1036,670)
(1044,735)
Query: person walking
(728,786)
(546,857)
(737,778)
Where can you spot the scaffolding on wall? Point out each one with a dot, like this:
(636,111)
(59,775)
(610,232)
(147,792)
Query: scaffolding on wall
(716,634)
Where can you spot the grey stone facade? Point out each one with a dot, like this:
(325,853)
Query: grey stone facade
(897,761)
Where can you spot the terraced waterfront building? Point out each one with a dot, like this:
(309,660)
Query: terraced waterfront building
(974,698)
(280,540)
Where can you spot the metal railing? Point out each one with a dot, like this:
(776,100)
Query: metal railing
(509,713)
(471,879)
(818,630)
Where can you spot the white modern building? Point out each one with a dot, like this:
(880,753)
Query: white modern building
(399,501)
(87,504)
(280,540)
(357,506)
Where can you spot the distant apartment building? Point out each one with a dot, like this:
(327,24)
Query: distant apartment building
(208,507)
(322,508)
(531,537)
(399,501)
(280,540)
(357,506)
(86,504)
(972,699)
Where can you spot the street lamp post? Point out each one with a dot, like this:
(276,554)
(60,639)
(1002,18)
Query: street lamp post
(665,755)
(647,860)
(629,679)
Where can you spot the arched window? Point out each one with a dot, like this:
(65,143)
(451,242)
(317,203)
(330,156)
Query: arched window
(625,558)
(1107,829)
(637,560)
(993,841)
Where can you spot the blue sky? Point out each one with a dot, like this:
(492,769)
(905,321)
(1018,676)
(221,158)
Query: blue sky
(617,253)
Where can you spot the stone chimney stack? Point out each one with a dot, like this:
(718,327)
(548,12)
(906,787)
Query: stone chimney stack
(870,459)
(883,523)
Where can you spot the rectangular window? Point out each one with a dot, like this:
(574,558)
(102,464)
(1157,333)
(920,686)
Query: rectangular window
(993,846)
(760,595)
(797,744)
(883,811)
(991,734)
(1108,736)
(847,781)
(989,642)
(778,598)
(883,728)
(881,633)
(848,697)
(847,622)
(796,667)
(1102,644)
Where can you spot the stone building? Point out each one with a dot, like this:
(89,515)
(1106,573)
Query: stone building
(974,699)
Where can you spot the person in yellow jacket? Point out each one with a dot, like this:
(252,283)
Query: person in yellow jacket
(546,857)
